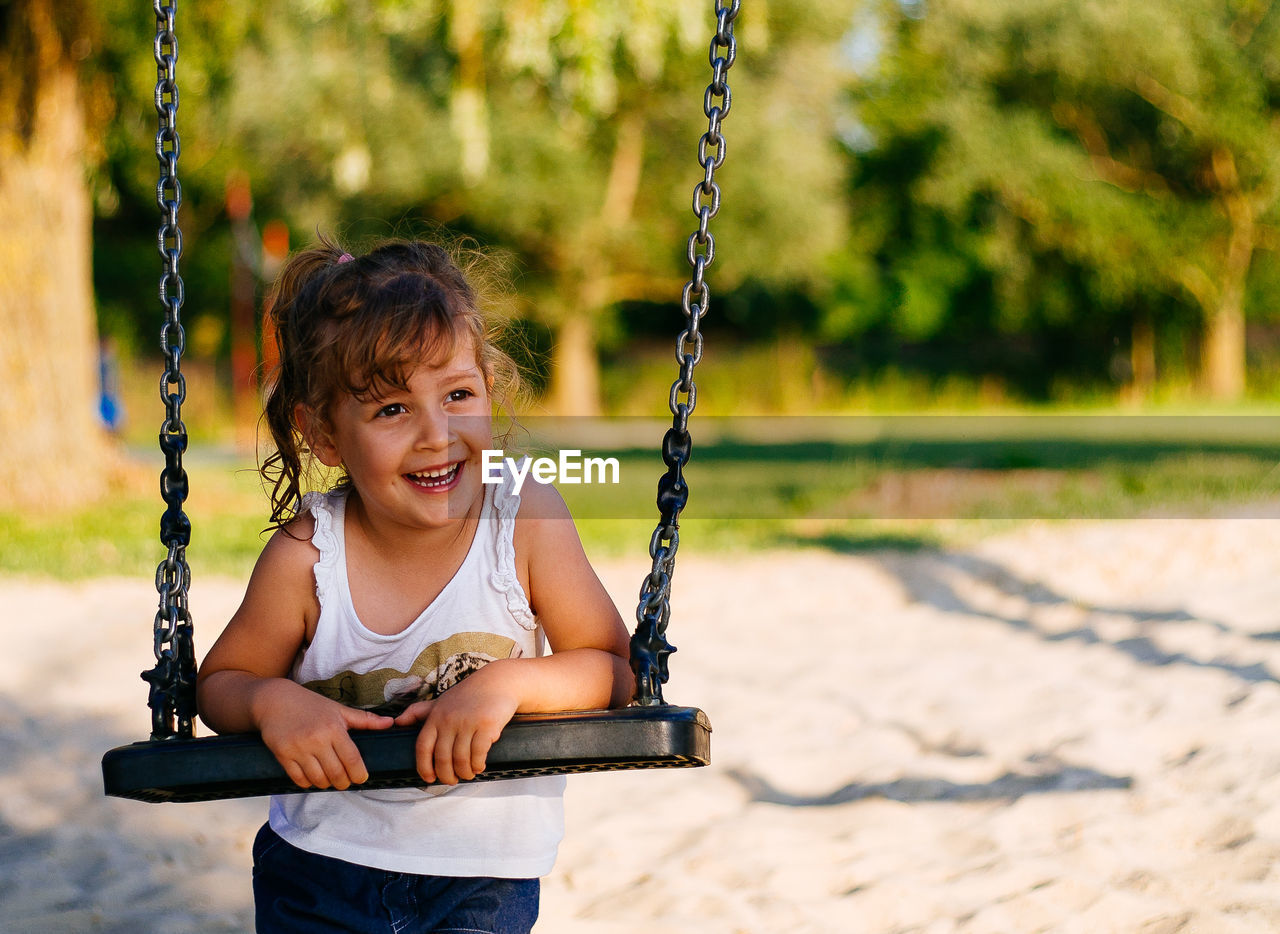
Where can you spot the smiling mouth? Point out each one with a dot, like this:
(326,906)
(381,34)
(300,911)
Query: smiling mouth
(435,479)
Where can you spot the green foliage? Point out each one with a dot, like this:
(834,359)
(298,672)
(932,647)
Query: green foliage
(1084,160)
(947,186)
(563,135)
(506,119)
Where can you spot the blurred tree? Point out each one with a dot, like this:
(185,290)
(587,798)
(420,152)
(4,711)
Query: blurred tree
(1139,139)
(564,132)
(54,448)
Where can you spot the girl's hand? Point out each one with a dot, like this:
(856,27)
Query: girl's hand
(461,725)
(308,735)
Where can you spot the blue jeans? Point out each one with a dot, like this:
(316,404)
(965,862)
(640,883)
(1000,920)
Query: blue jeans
(297,891)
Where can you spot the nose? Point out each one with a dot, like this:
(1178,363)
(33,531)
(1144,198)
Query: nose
(433,429)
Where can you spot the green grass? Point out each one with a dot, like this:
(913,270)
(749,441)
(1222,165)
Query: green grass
(121,534)
(900,483)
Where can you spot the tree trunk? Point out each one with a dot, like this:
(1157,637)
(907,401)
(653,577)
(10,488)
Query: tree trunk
(1142,356)
(575,368)
(1222,361)
(55,450)
(1222,353)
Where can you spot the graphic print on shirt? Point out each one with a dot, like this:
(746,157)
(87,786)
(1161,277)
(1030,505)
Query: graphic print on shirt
(437,668)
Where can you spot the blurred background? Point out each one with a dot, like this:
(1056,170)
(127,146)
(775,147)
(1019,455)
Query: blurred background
(930,206)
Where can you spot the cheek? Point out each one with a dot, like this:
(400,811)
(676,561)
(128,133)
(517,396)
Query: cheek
(480,436)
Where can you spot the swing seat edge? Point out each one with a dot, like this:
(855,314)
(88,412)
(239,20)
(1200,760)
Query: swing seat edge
(240,765)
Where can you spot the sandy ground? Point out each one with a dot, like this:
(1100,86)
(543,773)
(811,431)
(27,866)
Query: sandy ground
(1071,727)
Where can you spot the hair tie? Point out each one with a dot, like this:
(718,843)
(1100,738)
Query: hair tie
(345,258)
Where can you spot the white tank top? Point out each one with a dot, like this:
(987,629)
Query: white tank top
(506,829)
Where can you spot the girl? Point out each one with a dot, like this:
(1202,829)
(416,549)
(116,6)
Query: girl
(410,593)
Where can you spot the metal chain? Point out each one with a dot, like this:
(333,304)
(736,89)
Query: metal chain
(172,680)
(649,646)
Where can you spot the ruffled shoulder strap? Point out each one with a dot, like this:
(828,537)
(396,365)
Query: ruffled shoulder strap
(506,503)
(327,509)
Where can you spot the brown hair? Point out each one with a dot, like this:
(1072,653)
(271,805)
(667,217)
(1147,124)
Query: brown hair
(360,325)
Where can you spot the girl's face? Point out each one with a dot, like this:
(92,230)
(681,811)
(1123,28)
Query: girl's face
(414,455)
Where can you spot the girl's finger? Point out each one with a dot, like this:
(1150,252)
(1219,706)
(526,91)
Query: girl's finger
(443,758)
(352,764)
(315,772)
(365,720)
(335,772)
(296,774)
(462,766)
(480,745)
(414,713)
(425,749)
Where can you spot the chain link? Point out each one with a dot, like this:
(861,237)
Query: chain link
(172,680)
(649,646)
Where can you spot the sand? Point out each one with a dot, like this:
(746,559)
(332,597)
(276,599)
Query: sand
(1068,727)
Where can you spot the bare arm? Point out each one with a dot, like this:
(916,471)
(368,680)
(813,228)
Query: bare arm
(244,686)
(589,668)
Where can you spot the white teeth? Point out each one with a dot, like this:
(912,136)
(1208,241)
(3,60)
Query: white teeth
(442,476)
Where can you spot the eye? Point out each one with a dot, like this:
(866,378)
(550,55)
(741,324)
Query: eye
(393,408)
(460,395)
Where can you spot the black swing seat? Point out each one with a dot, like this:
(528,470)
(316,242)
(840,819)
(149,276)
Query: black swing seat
(241,766)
